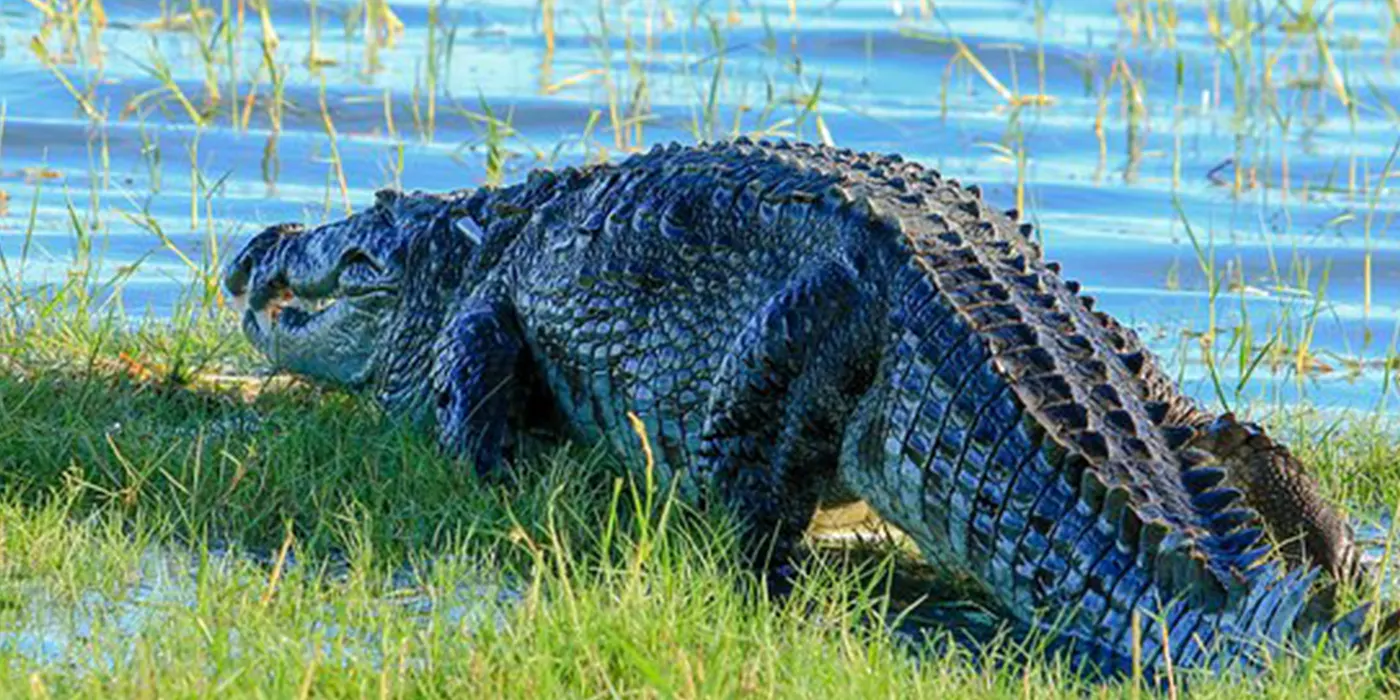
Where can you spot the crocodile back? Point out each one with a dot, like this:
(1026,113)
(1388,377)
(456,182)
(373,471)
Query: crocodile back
(1017,434)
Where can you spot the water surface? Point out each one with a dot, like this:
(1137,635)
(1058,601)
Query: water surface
(1140,131)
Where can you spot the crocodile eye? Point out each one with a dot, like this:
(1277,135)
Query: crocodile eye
(469,228)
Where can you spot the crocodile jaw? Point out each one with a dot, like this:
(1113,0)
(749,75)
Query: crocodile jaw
(334,303)
(331,340)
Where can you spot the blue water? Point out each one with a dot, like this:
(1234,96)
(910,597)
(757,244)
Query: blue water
(1110,203)
(100,629)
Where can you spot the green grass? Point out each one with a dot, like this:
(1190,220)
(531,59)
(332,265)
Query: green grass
(367,565)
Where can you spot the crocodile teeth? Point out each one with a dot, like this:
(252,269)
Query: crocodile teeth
(238,303)
(310,306)
(469,228)
(1029,280)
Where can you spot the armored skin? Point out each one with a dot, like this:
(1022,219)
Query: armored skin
(793,323)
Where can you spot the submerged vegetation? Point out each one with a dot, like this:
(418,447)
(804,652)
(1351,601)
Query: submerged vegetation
(173,522)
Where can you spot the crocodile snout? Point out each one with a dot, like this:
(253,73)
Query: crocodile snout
(242,272)
(316,300)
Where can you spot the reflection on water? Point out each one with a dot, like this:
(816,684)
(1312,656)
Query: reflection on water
(84,628)
(1373,537)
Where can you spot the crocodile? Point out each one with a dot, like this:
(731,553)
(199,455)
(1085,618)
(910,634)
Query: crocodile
(794,324)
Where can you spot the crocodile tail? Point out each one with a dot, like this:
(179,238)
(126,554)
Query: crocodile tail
(1359,629)
(1042,458)
(1080,385)
(1029,439)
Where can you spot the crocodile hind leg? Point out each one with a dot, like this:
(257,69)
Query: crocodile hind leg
(773,432)
(476,383)
(1275,484)
(1286,496)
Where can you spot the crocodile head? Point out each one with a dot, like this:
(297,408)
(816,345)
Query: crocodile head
(337,303)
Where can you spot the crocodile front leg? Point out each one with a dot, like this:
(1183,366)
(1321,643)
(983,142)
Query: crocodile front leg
(773,432)
(475,383)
